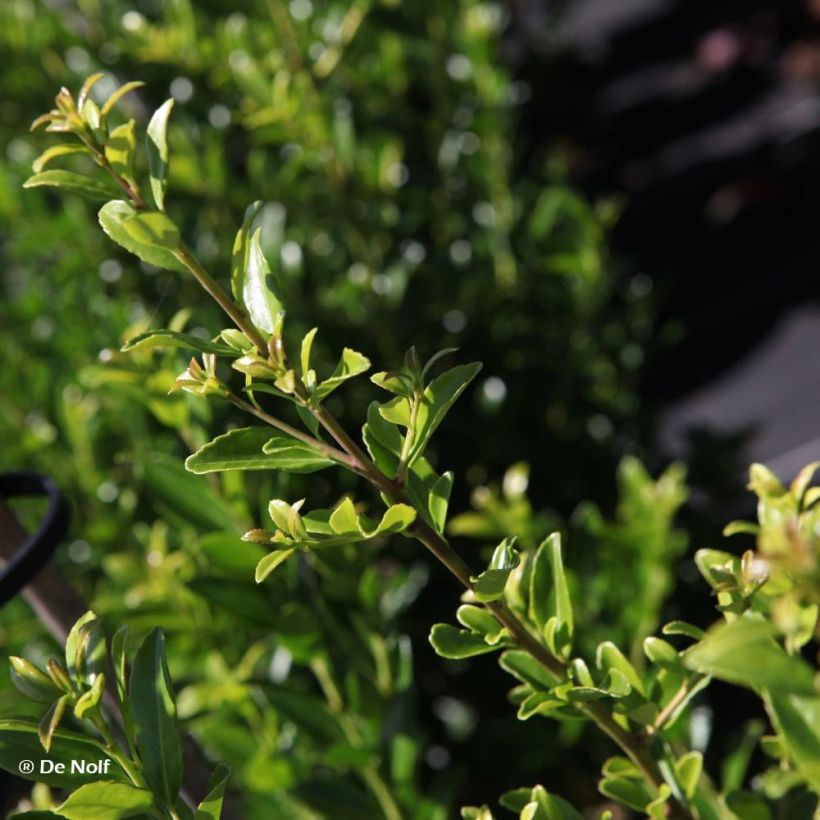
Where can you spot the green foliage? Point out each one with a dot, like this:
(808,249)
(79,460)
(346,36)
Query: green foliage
(305,683)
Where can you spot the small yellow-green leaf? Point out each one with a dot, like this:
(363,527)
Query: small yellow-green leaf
(157,149)
(120,149)
(106,800)
(118,95)
(56,151)
(270,562)
(51,721)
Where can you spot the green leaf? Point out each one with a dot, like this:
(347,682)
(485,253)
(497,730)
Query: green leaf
(118,661)
(152,229)
(747,805)
(51,721)
(490,584)
(624,790)
(546,806)
(106,800)
(350,364)
(438,397)
(397,518)
(482,622)
(253,448)
(19,740)
(170,338)
(241,250)
(764,483)
(31,682)
(55,151)
(608,658)
(211,807)
(261,293)
(343,519)
(270,562)
(661,652)
(307,346)
(550,603)
(73,183)
(683,628)
(688,769)
(89,700)
(454,643)
(745,652)
(85,650)
(523,666)
(187,496)
(155,719)
(439,499)
(156,142)
(797,719)
(118,95)
(113,217)
(120,149)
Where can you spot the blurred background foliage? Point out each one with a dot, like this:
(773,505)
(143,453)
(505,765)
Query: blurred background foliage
(385,139)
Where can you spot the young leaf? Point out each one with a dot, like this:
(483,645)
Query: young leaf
(482,622)
(307,346)
(437,399)
(55,151)
(31,682)
(438,501)
(523,666)
(106,800)
(490,584)
(253,448)
(89,700)
(156,142)
(608,658)
(550,602)
(169,338)
(118,95)
(74,184)
(85,651)
(350,364)
(211,807)
(155,720)
(241,250)
(120,149)
(113,217)
(270,562)
(451,642)
(261,293)
(51,720)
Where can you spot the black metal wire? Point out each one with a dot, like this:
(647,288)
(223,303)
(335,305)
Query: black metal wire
(36,551)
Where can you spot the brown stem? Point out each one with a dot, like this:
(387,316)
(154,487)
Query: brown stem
(631,745)
(677,699)
(325,449)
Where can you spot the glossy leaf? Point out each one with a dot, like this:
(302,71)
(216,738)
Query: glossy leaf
(241,251)
(74,184)
(798,721)
(254,448)
(156,141)
(350,364)
(106,800)
(482,622)
(120,150)
(31,682)
(490,584)
(270,562)
(172,339)
(439,499)
(85,649)
(113,218)
(51,721)
(154,713)
(261,293)
(451,642)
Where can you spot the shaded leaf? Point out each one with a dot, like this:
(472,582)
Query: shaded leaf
(170,338)
(451,642)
